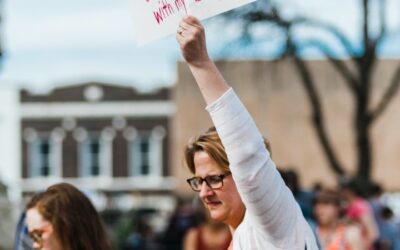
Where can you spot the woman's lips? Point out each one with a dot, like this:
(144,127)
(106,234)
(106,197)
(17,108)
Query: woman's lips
(213,204)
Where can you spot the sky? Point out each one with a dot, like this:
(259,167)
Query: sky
(50,42)
(53,42)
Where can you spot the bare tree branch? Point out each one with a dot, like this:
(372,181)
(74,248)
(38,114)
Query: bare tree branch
(339,65)
(365,15)
(318,120)
(274,17)
(388,96)
(346,44)
(382,20)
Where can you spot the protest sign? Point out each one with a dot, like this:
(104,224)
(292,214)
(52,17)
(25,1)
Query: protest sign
(155,19)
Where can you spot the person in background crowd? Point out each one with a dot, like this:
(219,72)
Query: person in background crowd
(208,235)
(233,172)
(303,198)
(359,211)
(181,221)
(389,231)
(375,195)
(332,232)
(63,218)
(374,199)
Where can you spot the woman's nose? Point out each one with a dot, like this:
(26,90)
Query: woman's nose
(205,190)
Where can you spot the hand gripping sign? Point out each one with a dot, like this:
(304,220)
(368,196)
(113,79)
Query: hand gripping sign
(155,19)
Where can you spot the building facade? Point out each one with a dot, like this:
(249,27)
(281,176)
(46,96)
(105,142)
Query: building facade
(98,137)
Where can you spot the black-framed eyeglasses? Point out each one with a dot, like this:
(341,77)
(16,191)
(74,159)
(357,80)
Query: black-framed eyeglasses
(213,181)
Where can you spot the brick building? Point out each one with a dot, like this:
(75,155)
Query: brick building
(99,137)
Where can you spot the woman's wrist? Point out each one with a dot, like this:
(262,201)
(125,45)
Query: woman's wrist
(203,63)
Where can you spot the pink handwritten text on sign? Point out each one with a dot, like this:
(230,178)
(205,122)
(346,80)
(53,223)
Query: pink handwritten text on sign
(166,8)
(155,19)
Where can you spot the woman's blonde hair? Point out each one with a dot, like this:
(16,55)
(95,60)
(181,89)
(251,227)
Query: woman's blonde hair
(210,143)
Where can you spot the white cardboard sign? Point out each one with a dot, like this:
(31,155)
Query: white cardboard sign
(155,19)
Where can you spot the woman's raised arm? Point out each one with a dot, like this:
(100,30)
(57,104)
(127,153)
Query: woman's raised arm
(192,41)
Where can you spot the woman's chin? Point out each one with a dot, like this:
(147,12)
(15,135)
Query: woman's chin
(217,215)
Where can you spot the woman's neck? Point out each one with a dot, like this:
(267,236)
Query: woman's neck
(236,220)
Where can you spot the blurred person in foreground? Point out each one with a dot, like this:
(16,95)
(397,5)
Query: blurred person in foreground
(333,233)
(233,172)
(63,218)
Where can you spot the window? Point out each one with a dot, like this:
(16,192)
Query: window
(140,155)
(95,152)
(41,157)
(90,157)
(145,153)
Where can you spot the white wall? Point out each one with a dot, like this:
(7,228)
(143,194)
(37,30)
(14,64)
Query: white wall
(9,140)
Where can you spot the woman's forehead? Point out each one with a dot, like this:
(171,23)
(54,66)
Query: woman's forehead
(34,219)
(203,163)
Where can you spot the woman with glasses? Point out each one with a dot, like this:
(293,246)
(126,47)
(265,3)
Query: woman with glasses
(63,218)
(233,172)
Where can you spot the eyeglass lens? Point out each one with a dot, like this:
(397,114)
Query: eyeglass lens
(213,181)
(36,236)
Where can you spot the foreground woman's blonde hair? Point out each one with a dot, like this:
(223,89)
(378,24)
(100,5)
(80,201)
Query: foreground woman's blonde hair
(210,143)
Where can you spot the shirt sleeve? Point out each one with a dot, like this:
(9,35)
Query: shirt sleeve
(268,201)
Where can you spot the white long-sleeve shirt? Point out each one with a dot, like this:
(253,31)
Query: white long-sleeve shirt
(273,219)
